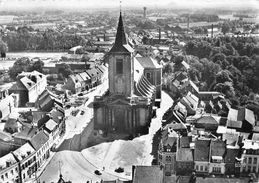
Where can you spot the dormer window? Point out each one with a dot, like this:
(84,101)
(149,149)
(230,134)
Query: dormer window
(119,66)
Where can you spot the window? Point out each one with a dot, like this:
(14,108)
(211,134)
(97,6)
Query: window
(249,160)
(6,175)
(216,169)
(2,177)
(254,169)
(244,160)
(119,66)
(201,168)
(12,172)
(148,75)
(168,158)
(197,167)
(255,160)
(206,168)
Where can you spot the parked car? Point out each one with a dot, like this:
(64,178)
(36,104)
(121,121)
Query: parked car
(97,172)
(119,170)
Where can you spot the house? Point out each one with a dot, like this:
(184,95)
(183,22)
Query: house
(190,101)
(167,151)
(184,161)
(40,142)
(207,122)
(73,84)
(217,157)
(242,119)
(177,127)
(26,157)
(232,161)
(25,135)
(52,129)
(29,86)
(47,100)
(7,102)
(250,157)
(147,174)
(9,169)
(202,156)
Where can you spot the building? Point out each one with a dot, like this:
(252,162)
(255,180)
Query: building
(250,157)
(184,161)
(202,156)
(167,151)
(40,142)
(242,119)
(28,87)
(217,157)
(26,157)
(147,174)
(9,169)
(128,105)
(6,102)
(232,161)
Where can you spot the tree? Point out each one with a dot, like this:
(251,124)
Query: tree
(223,76)
(225,28)
(37,66)
(65,70)
(178,59)
(3,48)
(19,66)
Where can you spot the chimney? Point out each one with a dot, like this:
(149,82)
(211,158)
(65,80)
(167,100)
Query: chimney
(211,30)
(133,171)
(188,22)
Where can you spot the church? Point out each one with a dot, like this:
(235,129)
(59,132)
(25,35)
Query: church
(134,87)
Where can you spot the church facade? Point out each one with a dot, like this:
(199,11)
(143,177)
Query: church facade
(134,85)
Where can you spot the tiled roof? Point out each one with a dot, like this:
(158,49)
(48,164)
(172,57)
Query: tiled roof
(184,142)
(39,140)
(184,154)
(218,148)
(207,120)
(27,133)
(202,150)
(148,174)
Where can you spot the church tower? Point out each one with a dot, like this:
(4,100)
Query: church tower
(121,67)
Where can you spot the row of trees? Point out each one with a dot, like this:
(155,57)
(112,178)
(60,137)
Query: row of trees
(26,39)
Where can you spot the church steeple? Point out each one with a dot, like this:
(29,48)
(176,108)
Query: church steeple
(120,39)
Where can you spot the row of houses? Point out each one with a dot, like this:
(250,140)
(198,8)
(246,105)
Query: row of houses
(87,79)
(34,135)
(205,153)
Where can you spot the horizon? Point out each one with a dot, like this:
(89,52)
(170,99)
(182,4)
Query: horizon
(98,4)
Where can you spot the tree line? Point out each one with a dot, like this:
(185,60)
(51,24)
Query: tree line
(25,38)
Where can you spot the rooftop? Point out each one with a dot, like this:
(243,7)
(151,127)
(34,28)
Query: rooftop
(148,174)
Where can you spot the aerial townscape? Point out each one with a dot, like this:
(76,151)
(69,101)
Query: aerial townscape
(129,92)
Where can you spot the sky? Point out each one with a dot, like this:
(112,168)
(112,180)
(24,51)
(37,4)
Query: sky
(21,4)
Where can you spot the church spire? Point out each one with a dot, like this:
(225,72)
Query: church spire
(120,39)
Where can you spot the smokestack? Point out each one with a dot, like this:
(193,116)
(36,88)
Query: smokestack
(188,22)
(145,12)
(211,30)
(159,34)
